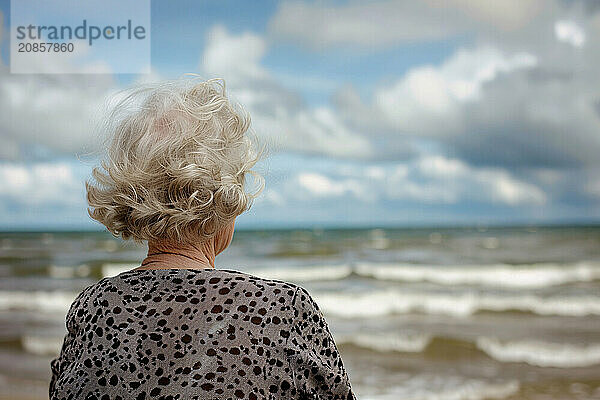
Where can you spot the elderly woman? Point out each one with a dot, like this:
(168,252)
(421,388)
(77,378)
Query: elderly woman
(176,327)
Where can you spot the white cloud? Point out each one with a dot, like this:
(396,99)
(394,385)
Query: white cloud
(593,188)
(499,101)
(507,190)
(279,115)
(236,57)
(569,32)
(321,186)
(428,95)
(388,23)
(441,167)
(40,184)
(491,107)
(506,14)
(436,179)
(57,112)
(432,179)
(375,173)
(273,197)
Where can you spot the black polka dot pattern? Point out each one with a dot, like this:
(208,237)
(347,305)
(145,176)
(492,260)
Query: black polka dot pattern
(197,334)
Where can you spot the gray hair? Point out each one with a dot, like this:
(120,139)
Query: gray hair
(176,165)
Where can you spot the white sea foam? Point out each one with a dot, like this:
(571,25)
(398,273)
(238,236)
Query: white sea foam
(390,301)
(522,276)
(42,345)
(309,273)
(384,342)
(113,269)
(533,352)
(542,354)
(69,271)
(499,275)
(436,387)
(41,301)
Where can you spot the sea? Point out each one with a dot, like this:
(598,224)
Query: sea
(425,314)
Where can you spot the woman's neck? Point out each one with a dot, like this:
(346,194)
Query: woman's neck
(169,255)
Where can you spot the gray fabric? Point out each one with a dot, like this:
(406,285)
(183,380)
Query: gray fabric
(197,334)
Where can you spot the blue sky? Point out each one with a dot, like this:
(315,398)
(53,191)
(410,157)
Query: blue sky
(374,113)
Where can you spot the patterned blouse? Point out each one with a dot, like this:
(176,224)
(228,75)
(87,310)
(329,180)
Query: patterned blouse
(197,334)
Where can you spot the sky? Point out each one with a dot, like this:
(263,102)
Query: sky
(373,113)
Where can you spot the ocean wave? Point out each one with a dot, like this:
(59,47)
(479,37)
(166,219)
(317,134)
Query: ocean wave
(522,276)
(349,304)
(69,271)
(42,345)
(533,352)
(541,354)
(305,274)
(41,301)
(498,275)
(114,269)
(385,342)
(389,302)
(435,387)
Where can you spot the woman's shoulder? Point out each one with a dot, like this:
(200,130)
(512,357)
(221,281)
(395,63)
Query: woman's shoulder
(297,292)
(287,292)
(135,283)
(214,278)
(194,275)
(240,275)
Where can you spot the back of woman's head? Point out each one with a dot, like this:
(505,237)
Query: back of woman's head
(176,163)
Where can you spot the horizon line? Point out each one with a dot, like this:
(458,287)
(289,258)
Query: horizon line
(332,227)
